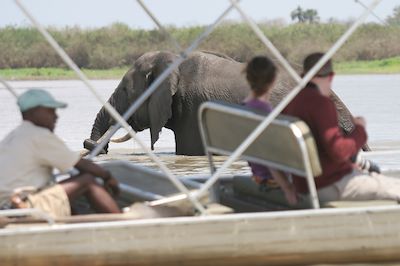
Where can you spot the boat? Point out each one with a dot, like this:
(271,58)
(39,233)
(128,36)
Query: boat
(221,237)
(271,238)
(231,225)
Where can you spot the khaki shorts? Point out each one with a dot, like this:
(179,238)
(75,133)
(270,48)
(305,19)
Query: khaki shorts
(52,200)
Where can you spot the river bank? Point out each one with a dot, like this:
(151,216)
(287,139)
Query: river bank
(59,73)
(385,66)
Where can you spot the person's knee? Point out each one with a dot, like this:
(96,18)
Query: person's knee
(86,179)
(362,187)
(92,182)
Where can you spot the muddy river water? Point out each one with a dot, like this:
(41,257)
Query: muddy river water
(376,97)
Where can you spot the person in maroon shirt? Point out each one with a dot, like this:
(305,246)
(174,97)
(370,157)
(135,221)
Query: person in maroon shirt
(261,75)
(341,179)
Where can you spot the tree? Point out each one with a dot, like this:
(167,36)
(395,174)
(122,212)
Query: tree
(305,16)
(311,15)
(395,18)
(298,14)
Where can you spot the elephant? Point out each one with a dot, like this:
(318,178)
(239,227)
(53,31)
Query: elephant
(201,77)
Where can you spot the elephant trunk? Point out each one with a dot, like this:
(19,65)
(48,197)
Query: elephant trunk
(100,127)
(101,124)
(345,117)
(104,121)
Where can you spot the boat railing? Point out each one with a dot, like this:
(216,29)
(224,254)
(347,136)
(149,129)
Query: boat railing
(250,139)
(28,212)
(8,87)
(113,113)
(276,111)
(382,21)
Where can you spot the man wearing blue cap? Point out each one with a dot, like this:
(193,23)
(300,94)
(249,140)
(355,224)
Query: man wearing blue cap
(29,154)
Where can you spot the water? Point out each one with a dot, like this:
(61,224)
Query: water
(376,98)
(373,96)
(75,122)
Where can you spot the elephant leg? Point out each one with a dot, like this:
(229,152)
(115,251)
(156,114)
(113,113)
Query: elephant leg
(188,142)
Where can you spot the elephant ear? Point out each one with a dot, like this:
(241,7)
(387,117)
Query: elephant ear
(160,106)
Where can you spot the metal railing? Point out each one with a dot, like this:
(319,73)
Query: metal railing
(28,212)
(183,54)
(275,112)
(122,120)
(8,87)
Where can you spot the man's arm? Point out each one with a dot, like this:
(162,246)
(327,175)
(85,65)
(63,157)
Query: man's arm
(339,147)
(87,166)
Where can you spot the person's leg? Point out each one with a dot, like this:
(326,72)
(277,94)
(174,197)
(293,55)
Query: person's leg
(97,196)
(329,193)
(364,186)
(52,200)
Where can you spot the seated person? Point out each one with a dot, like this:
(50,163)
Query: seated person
(341,179)
(31,151)
(261,75)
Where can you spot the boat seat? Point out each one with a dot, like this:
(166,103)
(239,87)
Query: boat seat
(215,208)
(363,203)
(245,188)
(139,183)
(286,144)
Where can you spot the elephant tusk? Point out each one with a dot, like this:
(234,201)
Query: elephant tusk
(122,139)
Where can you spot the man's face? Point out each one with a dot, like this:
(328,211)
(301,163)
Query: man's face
(324,84)
(44,117)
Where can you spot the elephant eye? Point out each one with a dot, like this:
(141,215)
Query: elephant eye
(149,79)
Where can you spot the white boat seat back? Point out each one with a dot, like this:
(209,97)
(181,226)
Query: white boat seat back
(225,126)
(286,144)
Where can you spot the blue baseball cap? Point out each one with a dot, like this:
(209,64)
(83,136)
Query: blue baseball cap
(36,97)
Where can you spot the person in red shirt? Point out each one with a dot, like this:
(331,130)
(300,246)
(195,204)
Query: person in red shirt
(341,179)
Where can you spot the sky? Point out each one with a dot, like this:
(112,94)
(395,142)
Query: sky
(180,13)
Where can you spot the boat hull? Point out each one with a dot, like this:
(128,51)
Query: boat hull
(277,238)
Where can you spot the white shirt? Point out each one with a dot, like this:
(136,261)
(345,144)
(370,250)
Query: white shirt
(28,155)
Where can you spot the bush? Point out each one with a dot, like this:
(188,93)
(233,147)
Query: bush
(118,45)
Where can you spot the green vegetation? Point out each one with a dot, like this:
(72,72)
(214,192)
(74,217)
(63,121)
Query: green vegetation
(59,73)
(385,66)
(109,51)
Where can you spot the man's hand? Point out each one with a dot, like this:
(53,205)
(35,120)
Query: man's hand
(112,186)
(110,183)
